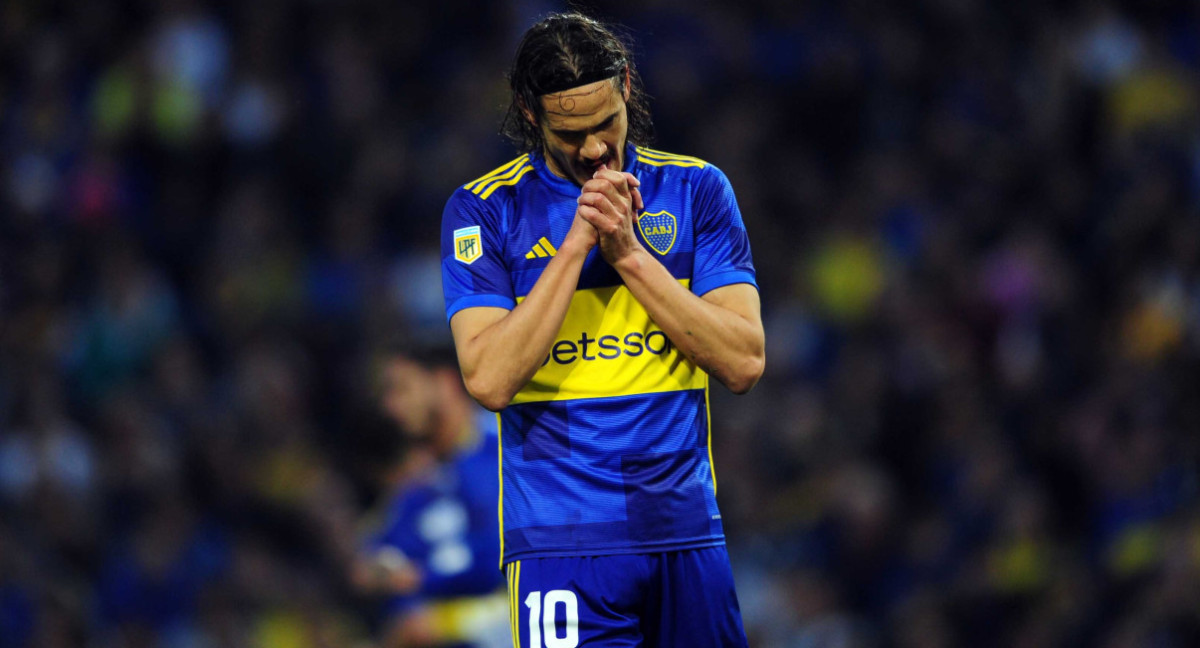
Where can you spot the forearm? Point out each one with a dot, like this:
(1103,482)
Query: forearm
(500,359)
(726,344)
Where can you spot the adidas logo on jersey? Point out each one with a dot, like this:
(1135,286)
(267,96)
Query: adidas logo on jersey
(541,250)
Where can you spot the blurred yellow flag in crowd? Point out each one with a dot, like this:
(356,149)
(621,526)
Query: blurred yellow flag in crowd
(1157,97)
(847,277)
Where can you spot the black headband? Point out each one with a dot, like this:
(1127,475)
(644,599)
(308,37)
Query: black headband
(590,76)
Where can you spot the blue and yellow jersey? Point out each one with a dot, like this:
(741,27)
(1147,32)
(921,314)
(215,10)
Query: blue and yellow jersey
(606,450)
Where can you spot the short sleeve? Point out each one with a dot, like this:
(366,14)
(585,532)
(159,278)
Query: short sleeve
(722,248)
(473,268)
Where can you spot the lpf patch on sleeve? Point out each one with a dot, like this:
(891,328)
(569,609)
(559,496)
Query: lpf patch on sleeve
(468,246)
(659,230)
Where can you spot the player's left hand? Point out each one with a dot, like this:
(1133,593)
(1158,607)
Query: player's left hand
(610,202)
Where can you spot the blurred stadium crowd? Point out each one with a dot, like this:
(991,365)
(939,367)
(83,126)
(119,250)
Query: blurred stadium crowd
(977,230)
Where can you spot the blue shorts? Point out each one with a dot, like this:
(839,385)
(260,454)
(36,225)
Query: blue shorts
(676,598)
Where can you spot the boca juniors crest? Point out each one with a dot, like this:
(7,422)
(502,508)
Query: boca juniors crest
(468,245)
(659,230)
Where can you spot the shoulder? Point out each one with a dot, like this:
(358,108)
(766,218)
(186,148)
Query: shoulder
(401,506)
(482,448)
(486,200)
(509,174)
(701,178)
(656,158)
(685,167)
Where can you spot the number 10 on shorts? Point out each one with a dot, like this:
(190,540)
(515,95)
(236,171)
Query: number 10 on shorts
(543,613)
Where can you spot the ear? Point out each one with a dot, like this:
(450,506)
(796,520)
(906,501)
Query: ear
(627,84)
(526,112)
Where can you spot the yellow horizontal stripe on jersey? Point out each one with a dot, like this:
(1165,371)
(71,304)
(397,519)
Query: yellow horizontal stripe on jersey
(661,155)
(511,181)
(490,175)
(636,356)
(680,163)
(548,246)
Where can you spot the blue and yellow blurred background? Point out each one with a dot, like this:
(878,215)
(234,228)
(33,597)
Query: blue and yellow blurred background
(977,231)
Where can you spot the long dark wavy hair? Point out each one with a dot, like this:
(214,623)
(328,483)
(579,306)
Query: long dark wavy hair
(567,50)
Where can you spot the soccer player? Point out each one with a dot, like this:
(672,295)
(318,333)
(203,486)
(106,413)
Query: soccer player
(592,287)
(433,554)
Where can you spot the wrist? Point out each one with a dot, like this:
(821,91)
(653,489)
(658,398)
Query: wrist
(632,262)
(575,247)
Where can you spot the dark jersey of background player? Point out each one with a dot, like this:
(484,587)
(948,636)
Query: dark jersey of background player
(592,287)
(431,549)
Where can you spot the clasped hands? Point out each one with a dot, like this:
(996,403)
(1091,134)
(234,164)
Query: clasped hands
(608,204)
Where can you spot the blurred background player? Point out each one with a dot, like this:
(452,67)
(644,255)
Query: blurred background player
(433,549)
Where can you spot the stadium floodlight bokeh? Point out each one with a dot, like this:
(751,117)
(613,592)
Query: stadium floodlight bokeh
(977,232)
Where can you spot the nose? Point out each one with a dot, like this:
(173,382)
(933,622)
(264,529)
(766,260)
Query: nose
(593,148)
